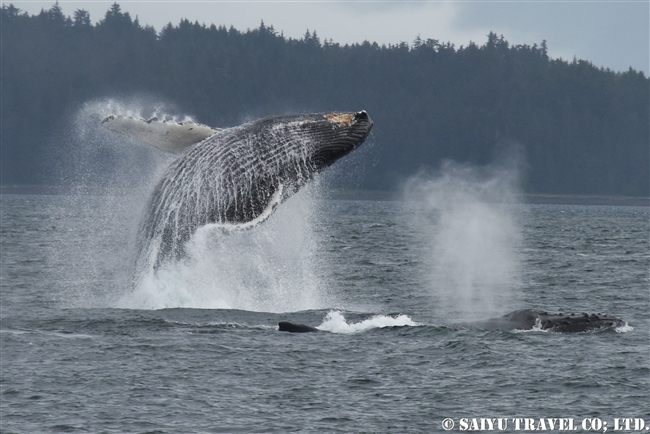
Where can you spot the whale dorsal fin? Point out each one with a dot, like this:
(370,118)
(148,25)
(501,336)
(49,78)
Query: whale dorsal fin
(169,136)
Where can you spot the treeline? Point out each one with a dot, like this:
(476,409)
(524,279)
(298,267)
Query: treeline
(583,130)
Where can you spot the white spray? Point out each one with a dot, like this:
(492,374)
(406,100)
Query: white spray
(335,322)
(271,269)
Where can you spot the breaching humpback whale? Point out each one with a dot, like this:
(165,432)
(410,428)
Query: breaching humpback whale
(232,178)
(527,319)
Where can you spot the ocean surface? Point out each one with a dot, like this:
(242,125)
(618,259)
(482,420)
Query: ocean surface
(196,348)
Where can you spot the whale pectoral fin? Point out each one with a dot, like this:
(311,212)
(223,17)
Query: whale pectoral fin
(169,136)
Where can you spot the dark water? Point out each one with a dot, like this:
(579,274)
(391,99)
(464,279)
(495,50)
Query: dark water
(82,352)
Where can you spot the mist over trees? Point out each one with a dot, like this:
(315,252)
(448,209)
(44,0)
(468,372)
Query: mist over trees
(582,129)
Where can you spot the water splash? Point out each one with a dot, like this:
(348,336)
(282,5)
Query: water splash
(625,328)
(274,268)
(471,217)
(104,180)
(335,322)
(537,327)
(91,159)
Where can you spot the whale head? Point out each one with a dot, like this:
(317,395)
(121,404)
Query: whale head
(320,139)
(342,133)
(287,151)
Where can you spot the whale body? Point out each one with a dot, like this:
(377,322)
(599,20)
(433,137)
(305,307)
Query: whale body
(526,319)
(529,319)
(234,178)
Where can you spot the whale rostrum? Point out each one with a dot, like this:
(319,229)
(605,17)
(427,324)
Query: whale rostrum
(232,178)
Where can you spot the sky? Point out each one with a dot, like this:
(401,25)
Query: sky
(611,34)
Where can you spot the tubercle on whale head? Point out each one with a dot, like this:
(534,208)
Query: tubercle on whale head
(335,119)
(347,119)
(343,119)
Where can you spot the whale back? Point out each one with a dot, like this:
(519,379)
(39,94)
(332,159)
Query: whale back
(236,178)
(528,319)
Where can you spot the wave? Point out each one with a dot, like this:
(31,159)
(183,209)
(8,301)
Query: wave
(624,328)
(335,322)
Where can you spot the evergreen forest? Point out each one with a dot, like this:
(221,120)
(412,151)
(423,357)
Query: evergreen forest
(583,130)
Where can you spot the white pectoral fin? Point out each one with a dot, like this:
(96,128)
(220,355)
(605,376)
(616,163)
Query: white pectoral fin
(168,136)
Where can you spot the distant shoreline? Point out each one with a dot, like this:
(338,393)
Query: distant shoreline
(534,199)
